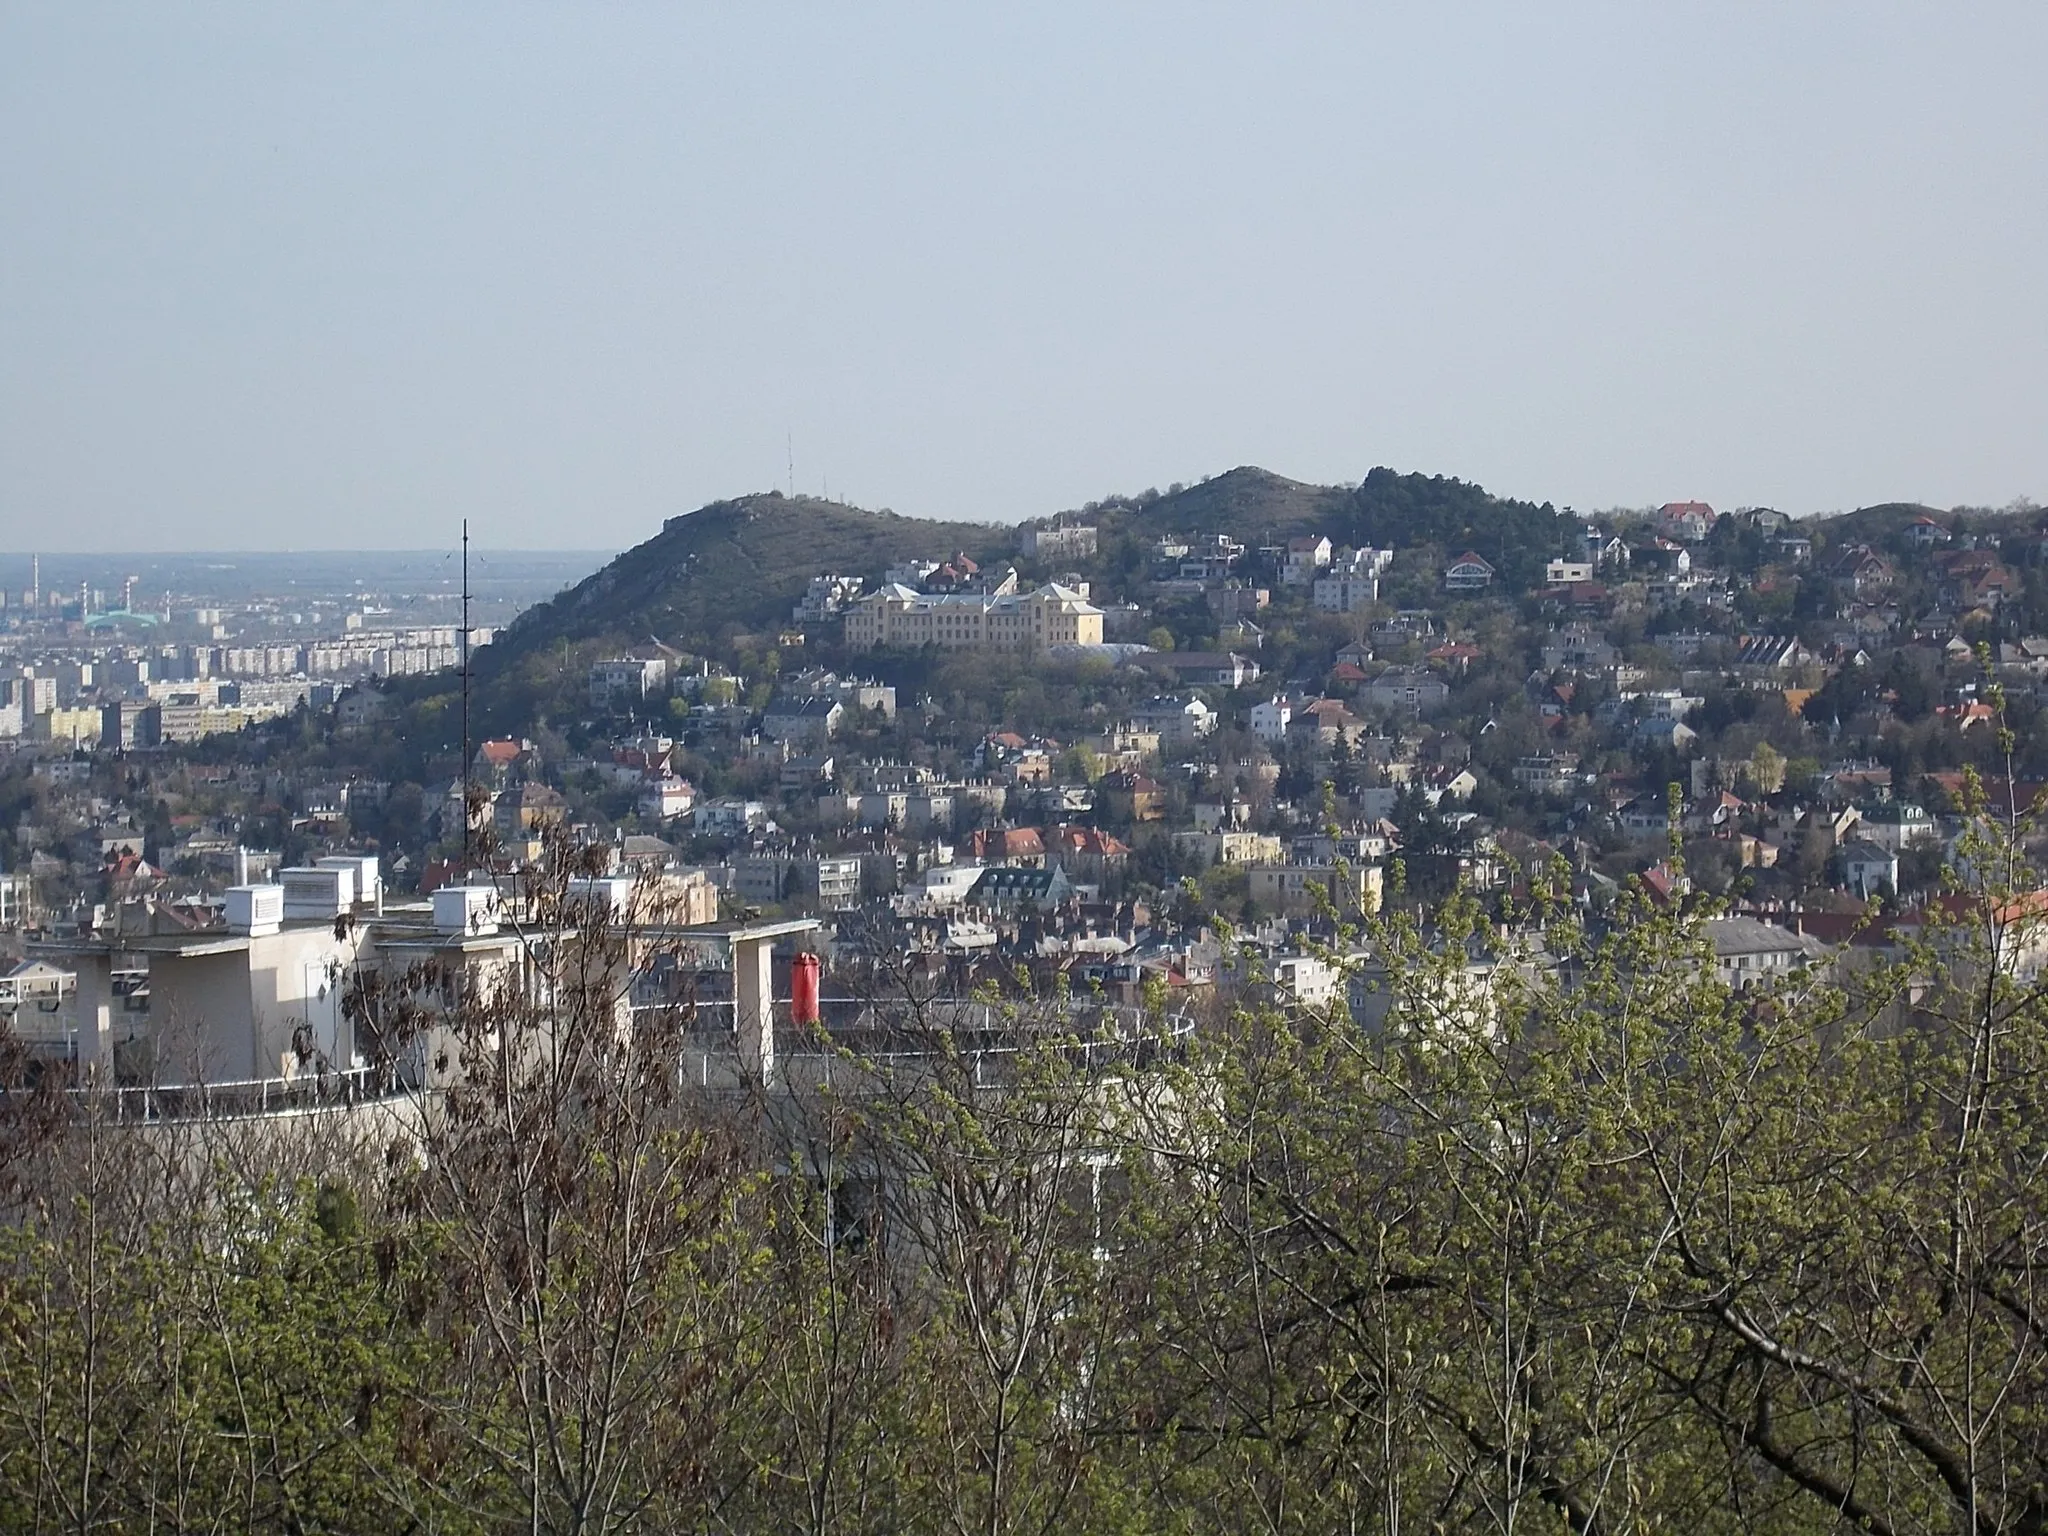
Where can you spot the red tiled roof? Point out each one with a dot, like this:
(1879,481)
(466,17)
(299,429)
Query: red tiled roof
(1007,843)
(1997,789)
(1090,842)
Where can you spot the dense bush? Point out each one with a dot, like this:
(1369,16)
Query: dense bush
(1560,1233)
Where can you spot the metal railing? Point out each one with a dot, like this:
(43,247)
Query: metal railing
(859,1040)
(156,1103)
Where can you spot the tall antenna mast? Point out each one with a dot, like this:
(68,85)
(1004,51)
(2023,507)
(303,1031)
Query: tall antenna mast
(465,698)
(789,443)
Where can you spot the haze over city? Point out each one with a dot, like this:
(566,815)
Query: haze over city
(338,278)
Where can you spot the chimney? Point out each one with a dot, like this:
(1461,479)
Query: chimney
(241,865)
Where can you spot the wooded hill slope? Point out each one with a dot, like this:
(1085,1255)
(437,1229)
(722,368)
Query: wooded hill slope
(738,566)
(733,566)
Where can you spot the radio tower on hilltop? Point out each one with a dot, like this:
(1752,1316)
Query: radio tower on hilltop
(465,701)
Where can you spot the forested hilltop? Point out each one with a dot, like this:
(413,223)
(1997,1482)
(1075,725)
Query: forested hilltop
(730,567)
(740,564)
(718,583)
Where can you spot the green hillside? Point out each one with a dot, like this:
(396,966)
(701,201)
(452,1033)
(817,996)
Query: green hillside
(737,567)
(1396,511)
(1255,505)
(1874,525)
(1386,510)
(733,567)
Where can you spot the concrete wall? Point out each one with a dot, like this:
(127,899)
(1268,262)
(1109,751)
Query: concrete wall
(199,1016)
(234,1016)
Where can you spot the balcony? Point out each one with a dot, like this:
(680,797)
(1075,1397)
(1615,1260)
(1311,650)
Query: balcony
(253,1098)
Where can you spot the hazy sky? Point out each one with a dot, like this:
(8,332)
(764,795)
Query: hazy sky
(298,275)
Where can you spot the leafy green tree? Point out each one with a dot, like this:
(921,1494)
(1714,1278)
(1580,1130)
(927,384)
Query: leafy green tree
(180,1346)
(1524,1221)
(599,1253)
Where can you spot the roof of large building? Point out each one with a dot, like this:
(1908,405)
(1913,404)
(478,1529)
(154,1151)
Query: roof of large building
(1052,591)
(806,707)
(1733,936)
(1012,883)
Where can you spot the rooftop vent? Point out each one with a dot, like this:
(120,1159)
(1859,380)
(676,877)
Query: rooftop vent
(599,898)
(466,909)
(369,880)
(255,909)
(313,891)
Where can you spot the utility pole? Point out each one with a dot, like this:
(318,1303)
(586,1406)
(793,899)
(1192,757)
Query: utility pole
(464,778)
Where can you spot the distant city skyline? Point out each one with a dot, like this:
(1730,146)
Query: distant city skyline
(320,280)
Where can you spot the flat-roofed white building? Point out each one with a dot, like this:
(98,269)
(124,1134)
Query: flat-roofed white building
(1070,541)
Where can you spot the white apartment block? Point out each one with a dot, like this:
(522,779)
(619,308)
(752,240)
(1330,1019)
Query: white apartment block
(1305,557)
(1073,541)
(1351,581)
(1270,718)
(1296,889)
(1010,621)
(359,653)
(826,596)
(629,677)
(1346,593)
(262,660)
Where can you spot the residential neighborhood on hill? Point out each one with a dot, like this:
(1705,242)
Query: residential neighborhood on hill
(1246,808)
(543,990)
(1087,746)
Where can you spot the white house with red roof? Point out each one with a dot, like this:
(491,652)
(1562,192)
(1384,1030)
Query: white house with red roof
(1468,573)
(1688,521)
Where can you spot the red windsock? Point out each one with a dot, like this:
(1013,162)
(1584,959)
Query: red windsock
(803,989)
